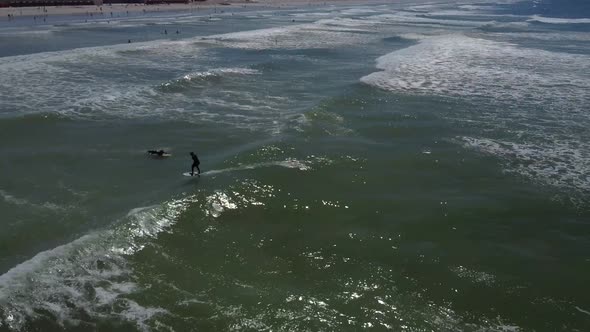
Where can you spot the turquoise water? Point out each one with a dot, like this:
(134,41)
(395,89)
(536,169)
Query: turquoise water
(403,167)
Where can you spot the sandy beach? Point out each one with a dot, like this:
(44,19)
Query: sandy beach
(106,10)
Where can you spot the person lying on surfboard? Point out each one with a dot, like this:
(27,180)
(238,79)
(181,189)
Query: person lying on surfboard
(196,164)
(159,153)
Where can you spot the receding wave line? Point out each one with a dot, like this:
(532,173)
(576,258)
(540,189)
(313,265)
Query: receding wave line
(34,118)
(203,76)
(11,199)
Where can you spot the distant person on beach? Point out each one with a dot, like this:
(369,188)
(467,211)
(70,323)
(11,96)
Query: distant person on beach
(196,164)
(159,153)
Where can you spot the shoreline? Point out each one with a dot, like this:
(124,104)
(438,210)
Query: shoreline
(109,10)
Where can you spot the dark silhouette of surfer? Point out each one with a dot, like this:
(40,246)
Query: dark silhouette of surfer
(196,164)
(159,153)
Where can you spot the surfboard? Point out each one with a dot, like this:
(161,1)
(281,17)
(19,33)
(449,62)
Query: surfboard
(189,174)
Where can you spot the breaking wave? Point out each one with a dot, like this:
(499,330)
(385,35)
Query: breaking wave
(87,278)
(188,80)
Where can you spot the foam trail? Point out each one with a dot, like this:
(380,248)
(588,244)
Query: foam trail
(287,163)
(554,20)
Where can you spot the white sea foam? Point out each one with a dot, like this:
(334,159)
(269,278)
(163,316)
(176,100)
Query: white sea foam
(582,310)
(473,275)
(89,274)
(120,99)
(11,63)
(555,20)
(474,7)
(85,91)
(220,72)
(245,194)
(423,7)
(461,15)
(555,37)
(219,202)
(507,27)
(26,33)
(358,11)
(552,100)
(457,65)
(11,199)
(559,163)
(81,82)
(310,15)
(345,24)
(404,18)
(320,34)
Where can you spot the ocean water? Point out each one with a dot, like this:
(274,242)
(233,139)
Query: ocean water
(406,167)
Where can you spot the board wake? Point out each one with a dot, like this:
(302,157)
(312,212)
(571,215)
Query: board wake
(289,163)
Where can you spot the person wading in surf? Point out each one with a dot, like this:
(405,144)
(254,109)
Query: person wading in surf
(196,164)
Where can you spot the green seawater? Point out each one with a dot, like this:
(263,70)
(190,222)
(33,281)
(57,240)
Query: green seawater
(378,167)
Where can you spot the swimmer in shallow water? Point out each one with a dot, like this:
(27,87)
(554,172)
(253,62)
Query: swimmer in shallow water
(159,153)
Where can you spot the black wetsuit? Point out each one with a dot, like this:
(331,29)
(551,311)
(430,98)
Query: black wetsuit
(196,164)
(158,153)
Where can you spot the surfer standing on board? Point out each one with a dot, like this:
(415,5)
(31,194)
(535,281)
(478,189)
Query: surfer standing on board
(196,164)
